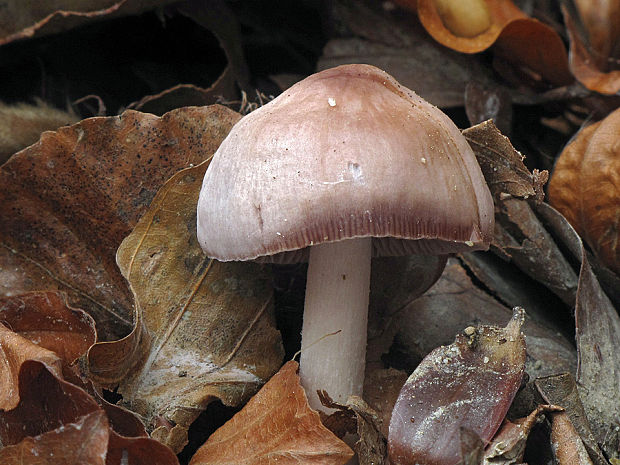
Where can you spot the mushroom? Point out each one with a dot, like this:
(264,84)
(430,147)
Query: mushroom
(344,165)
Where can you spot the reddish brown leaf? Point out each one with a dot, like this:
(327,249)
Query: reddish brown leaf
(585,188)
(69,200)
(83,441)
(276,426)
(566,444)
(595,66)
(508,445)
(45,319)
(470,383)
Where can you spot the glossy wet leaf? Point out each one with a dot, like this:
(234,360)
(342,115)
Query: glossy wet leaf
(204,329)
(275,426)
(470,383)
(70,199)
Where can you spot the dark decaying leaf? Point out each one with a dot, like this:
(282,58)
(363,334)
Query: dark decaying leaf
(454,303)
(381,389)
(472,447)
(70,199)
(493,103)
(204,329)
(470,383)
(508,445)
(597,336)
(275,426)
(20,20)
(82,441)
(566,444)
(396,42)
(562,390)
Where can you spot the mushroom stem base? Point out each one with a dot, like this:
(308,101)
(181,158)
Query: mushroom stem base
(333,344)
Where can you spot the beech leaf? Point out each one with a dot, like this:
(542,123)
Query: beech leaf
(470,383)
(70,199)
(276,426)
(204,329)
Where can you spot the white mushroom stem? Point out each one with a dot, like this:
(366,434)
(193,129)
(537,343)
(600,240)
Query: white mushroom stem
(337,291)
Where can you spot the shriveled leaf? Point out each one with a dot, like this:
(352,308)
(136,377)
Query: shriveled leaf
(20,19)
(357,417)
(470,383)
(566,444)
(585,188)
(276,426)
(595,66)
(15,350)
(45,319)
(69,200)
(454,303)
(205,329)
(508,445)
(138,451)
(562,390)
(83,441)
(501,164)
(399,45)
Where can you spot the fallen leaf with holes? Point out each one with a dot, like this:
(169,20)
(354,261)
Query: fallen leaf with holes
(275,426)
(70,199)
(470,383)
(204,329)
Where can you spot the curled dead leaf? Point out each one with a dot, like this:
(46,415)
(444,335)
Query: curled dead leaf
(585,187)
(275,426)
(566,444)
(204,329)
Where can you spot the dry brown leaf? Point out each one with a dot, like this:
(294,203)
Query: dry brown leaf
(45,319)
(562,390)
(70,199)
(593,60)
(276,426)
(83,441)
(508,445)
(204,329)
(566,444)
(585,188)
